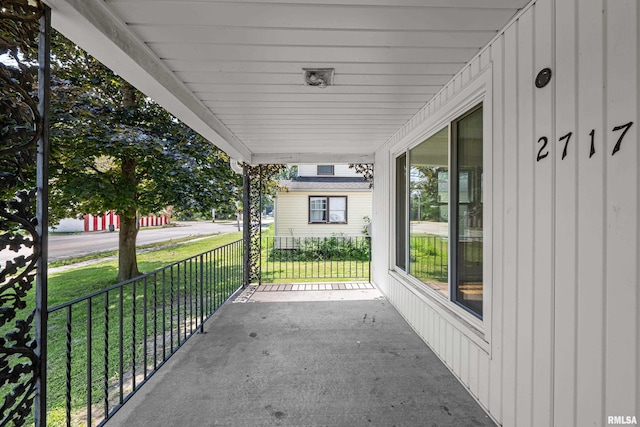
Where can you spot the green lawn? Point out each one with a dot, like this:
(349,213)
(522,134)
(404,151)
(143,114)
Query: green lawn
(141,332)
(429,257)
(335,258)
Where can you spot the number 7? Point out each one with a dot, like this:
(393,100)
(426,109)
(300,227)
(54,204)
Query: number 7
(567,137)
(624,132)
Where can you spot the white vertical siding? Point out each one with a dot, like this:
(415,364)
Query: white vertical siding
(509,262)
(561,343)
(566,236)
(590,217)
(621,251)
(544,221)
(381,208)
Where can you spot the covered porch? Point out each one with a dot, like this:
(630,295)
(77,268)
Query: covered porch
(519,120)
(304,358)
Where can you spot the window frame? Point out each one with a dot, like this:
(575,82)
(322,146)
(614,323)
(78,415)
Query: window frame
(331,173)
(328,209)
(453,203)
(454,210)
(442,112)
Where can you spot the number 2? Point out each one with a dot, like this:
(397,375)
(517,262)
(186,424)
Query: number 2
(544,141)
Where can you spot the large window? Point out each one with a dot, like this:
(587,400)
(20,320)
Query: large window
(439,224)
(328,209)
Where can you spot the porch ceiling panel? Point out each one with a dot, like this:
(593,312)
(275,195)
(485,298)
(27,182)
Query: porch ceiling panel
(233,69)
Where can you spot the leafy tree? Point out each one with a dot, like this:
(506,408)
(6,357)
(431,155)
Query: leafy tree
(425,182)
(113,148)
(288,172)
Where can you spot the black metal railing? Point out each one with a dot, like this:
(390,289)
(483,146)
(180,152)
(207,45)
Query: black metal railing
(104,346)
(335,257)
(429,257)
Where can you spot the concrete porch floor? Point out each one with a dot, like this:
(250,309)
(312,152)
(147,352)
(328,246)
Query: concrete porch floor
(304,358)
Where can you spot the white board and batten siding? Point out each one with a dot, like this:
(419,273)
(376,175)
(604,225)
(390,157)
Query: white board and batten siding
(560,343)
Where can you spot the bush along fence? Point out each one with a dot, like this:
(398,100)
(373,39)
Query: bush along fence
(104,346)
(317,258)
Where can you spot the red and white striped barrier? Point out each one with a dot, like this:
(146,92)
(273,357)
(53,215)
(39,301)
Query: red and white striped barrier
(102,222)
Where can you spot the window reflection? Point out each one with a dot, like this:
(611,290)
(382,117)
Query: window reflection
(469,286)
(429,211)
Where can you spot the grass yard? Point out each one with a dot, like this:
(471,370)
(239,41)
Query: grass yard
(429,257)
(144,344)
(304,259)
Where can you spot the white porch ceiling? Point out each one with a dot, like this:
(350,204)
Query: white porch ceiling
(233,69)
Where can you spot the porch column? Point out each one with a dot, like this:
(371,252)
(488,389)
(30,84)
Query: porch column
(42,212)
(252,221)
(24,156)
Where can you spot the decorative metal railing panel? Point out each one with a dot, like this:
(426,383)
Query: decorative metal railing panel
(256,185)
(257,180)
(20,130)
(103,347)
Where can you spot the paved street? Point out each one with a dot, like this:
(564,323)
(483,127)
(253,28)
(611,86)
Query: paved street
(67,245)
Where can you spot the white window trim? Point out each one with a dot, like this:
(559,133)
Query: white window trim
(332,173)
(479,90)
(328,210)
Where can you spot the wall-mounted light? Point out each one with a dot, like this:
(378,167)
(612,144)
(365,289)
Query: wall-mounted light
(319,77)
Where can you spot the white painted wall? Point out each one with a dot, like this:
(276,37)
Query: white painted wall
(338,170)
(560,341)
(68,225)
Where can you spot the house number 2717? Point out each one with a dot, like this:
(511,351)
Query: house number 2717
(543,151)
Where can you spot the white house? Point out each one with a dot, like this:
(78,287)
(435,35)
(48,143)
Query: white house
(323,200)
(523,114)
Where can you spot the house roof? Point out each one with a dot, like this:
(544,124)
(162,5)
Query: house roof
(233,70)
(325,183)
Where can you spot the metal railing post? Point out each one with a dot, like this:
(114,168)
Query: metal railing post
(42,214)
(246,226)
(369,250)
(201,279)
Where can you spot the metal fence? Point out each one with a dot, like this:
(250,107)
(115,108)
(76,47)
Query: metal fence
(104,346)
(300,258)
(429,257)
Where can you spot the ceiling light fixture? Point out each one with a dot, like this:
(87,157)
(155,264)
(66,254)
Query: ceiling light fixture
(319,77)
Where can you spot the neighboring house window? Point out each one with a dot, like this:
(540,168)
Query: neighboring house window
(441,230)
(325,170)
(325,209)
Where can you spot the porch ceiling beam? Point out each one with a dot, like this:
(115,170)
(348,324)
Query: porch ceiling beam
(90,24)
(329,158)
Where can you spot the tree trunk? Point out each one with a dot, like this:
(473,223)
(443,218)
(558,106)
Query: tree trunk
(127,258)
